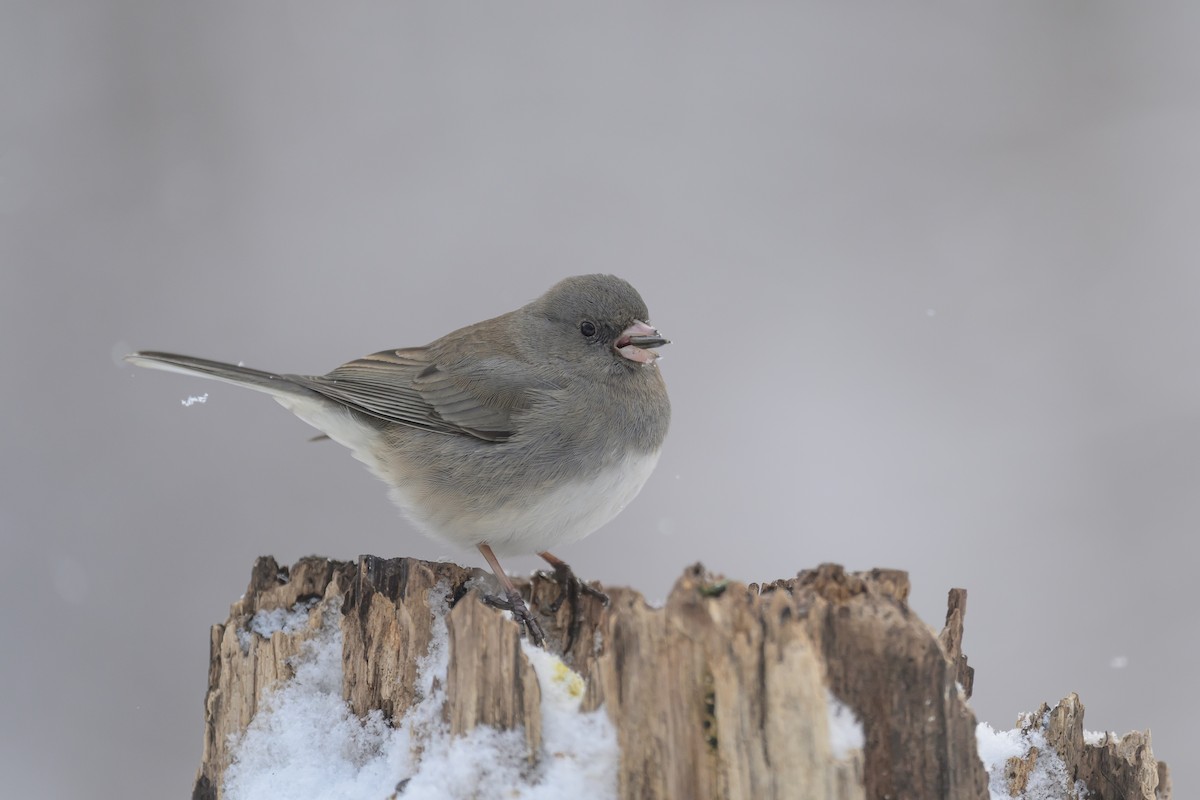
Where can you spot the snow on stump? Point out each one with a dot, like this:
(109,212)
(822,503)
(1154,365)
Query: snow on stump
(390,679)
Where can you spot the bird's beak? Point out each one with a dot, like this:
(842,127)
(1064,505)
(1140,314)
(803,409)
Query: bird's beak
(634,341)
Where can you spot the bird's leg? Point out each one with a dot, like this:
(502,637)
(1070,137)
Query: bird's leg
(570,585)
(512,600)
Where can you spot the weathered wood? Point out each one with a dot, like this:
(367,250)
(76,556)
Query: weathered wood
(243,668)
(951,639)
(888,666)
(387,627)
(723,692)
(1115,768)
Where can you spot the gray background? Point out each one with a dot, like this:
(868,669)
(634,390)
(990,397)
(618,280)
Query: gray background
(930,269)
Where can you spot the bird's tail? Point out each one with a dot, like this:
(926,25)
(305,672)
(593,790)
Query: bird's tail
(278,385)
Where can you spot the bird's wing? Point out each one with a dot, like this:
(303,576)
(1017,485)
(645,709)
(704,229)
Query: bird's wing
(410,387)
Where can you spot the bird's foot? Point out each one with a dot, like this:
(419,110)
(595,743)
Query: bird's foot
(571,591)
(512,601)
(571,588)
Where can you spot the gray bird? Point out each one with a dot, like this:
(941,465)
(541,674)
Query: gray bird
(513,435)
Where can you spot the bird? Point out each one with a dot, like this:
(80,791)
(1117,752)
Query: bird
(513,435)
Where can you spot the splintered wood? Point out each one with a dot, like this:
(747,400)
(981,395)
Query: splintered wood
(726,691)
(1113,768)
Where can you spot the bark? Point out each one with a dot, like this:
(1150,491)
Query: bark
(724,692)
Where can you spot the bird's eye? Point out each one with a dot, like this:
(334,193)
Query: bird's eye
(587,328)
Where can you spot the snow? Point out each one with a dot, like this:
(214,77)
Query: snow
(193,399)
(1099,738)
(265,623)
(306,743)
(845,731)
(1049,779)
(584,756)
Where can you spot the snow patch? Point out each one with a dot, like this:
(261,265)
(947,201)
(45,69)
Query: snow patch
(265,623)
(580,756)
(193,399)
(306,743)
(1099,738)
(845,731)
(1049,779)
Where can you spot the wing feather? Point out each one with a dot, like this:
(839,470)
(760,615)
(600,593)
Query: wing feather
(408,388)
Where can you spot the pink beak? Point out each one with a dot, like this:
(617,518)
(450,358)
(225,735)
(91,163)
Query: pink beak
(635,341)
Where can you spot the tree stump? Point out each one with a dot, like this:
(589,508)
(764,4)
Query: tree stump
(821,686)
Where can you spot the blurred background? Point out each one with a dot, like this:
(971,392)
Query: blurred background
(930,270)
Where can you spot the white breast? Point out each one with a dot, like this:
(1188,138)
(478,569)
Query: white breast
(559,516)
(519,526)
(573,511)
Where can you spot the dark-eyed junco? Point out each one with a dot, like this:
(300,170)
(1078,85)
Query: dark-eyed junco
(512,435)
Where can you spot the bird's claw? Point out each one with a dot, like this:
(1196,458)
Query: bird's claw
(512,601)
(571,587)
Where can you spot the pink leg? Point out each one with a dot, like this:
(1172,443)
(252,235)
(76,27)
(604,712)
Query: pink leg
(512,600)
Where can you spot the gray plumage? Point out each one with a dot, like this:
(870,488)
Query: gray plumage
(517,433)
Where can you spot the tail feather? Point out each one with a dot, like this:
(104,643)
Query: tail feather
(268,382)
